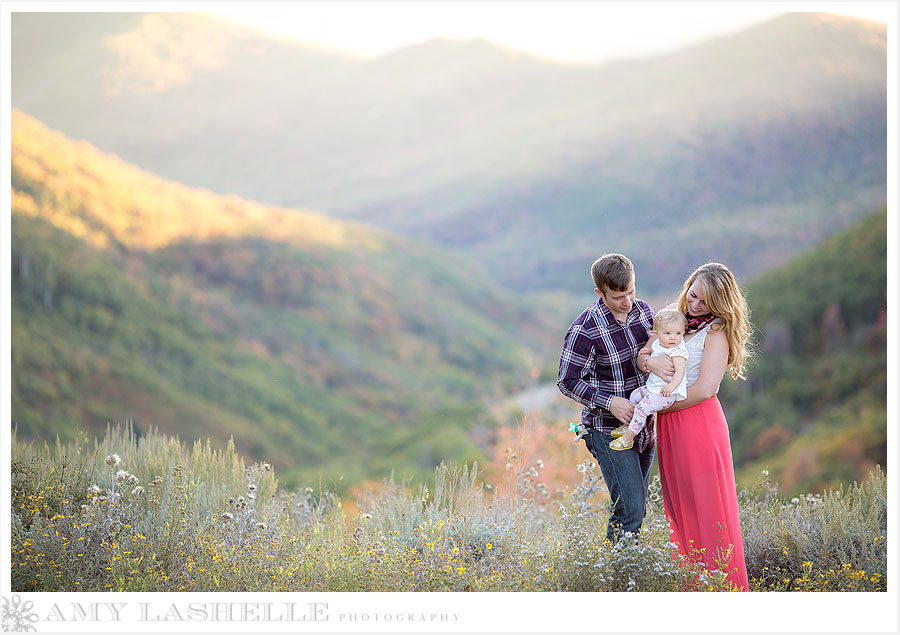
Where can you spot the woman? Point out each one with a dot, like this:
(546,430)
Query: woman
(693,446)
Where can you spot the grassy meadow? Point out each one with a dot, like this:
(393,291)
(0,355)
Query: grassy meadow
(150,513)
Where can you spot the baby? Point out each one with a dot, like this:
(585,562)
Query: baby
(658,393)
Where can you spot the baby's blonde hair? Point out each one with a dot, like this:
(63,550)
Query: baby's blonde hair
(668,316)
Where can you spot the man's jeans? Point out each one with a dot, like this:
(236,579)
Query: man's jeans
(627,476)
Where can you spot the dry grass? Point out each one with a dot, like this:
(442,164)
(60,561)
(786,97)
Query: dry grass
(150,514)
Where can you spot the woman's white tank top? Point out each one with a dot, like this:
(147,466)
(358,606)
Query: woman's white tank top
(695,350)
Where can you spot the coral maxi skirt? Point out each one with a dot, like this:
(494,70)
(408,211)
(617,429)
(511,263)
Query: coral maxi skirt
(698,486)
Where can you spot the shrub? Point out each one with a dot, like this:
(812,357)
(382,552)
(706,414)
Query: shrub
(835,541)
(149,514)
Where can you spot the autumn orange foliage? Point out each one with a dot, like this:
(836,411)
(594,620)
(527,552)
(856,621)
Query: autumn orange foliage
(535,442)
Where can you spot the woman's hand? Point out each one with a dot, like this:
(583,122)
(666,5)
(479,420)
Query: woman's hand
(643,355)
(661,366)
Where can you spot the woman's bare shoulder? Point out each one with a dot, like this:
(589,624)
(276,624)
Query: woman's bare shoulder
(717,336)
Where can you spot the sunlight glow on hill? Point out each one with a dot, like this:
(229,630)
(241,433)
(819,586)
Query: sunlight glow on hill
(150,212)
(144,55)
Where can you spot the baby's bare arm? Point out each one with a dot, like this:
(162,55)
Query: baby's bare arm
(680,368)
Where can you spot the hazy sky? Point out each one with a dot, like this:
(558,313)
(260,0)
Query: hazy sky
(570,31)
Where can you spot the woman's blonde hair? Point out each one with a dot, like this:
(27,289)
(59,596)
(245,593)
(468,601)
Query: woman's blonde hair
(724,300)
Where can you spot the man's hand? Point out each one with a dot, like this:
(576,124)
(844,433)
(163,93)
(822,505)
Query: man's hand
(622,409)
(661,366)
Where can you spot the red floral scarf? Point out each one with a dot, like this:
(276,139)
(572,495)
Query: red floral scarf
(695,323)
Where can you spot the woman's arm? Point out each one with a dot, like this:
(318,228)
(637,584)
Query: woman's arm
(712,368)
(660,365)
(644,354)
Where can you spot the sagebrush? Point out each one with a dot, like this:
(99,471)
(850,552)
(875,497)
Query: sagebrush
(129,513)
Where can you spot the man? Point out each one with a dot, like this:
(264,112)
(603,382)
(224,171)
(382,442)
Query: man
(598,368)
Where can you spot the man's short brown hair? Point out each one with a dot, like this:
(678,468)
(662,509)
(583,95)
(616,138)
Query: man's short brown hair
(612,272)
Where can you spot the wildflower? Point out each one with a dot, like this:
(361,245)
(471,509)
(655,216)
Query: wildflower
(251,487)
(133,479)
(267,467)
(540,464)
(509,466)
(260,525)
(113,460)
(84,510)
(366,516)
(138,491)
(308,490)
(121,475)
(227,516)
(179,468)
(251,496)
(93,490)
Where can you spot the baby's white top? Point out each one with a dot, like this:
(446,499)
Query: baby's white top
(655,383)
(695,349)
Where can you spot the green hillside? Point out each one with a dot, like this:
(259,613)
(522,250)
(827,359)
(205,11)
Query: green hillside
(751,147)
(813,409)
(323,346)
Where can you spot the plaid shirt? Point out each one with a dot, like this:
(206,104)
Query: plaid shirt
(599,362)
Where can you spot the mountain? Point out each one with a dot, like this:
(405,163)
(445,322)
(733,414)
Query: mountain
(813,409)
(751,147)
(329,348)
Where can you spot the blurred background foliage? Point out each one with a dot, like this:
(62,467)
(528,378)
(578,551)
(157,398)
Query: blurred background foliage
(334,356)
(813,406)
